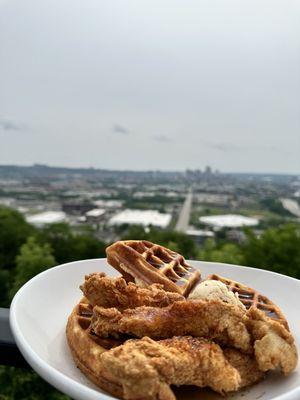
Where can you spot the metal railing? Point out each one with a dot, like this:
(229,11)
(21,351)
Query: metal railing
(9,352)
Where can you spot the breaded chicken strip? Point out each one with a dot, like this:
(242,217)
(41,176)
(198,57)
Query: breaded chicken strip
(273,344)
(246,365)
(209,319)
(146,368)
(104,291)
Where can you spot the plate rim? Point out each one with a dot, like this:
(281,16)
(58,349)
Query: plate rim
(58,379)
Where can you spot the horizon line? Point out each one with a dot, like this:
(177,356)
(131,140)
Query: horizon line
(214,170)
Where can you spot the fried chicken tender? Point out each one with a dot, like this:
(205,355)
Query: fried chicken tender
(108,292)
(246,365)
(274,345)
(209,319)
(146,368)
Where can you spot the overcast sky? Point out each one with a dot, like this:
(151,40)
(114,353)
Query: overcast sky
(151,84)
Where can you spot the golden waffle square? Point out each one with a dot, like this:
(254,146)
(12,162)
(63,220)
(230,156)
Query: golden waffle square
(86,347)
(83,315)
(252,298)
(147,263)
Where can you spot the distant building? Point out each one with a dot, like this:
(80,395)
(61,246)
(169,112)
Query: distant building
(212,198)
(199,235)
(46,218)
(95,212)
(236,235)
(77,207)
(7,201)
(141,217)
(297,193)
(208,170)
(228,221)
(95,215)
(141,195)
(108,203)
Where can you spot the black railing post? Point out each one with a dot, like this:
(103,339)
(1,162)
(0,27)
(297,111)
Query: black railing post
(9,352)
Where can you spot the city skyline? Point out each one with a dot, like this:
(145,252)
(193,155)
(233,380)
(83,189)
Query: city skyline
(202,170)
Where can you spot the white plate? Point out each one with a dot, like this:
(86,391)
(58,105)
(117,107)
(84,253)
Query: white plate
(39,312)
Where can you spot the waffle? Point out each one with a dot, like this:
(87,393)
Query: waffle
(147,263)
(252,298)
(86,347)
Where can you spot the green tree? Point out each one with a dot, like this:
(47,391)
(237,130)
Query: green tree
(23,384)
(133,232)
(277,249)
(14,231)
(33,259)
(227,253)
(60,238)
(275,205)
(88,247)
(70,247)
(4,287)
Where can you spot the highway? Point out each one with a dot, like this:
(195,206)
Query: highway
(184,216)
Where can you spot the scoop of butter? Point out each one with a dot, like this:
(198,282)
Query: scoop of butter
(215,290)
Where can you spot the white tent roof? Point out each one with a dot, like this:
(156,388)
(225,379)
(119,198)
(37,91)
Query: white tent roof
(228,221)
(47,217)
(95,212)
(141,217)
(200,232)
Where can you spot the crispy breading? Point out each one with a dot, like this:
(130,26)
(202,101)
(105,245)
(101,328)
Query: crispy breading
(104,291)
(274,345)
(246,365)
(146,368)
(210,319)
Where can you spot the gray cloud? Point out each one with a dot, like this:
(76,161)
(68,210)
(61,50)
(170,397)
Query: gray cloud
(162,138)
(227,147)
(9,125)
(223,146)
(117,128)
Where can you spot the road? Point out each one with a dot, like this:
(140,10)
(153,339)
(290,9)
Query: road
(292,206)
(184,216)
